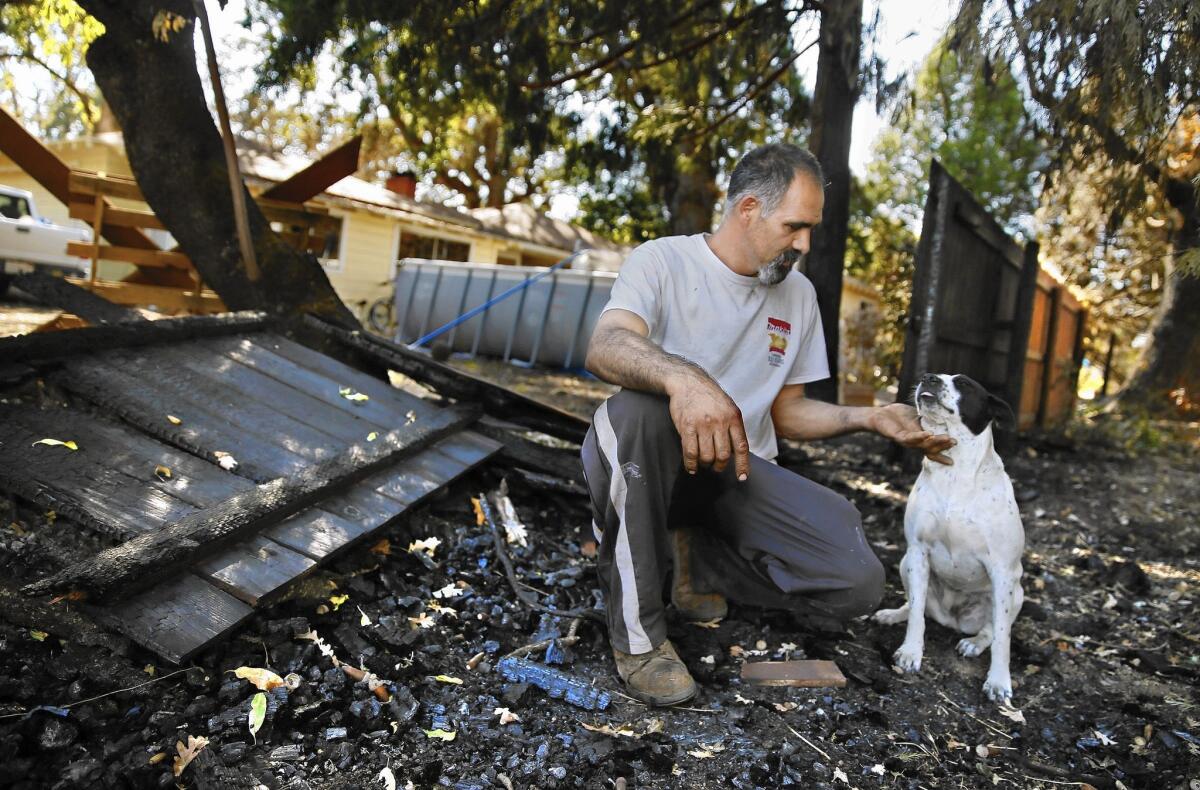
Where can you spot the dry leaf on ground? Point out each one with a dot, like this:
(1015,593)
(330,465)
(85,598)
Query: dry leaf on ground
(262,679)
(188,752)
(70,445)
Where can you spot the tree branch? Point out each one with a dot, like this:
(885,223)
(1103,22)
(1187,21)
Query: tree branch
(89,108)
(1114,144)
(728,27)
(615,56)
(750,95)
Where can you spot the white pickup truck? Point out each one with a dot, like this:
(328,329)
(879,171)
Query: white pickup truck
(29,241)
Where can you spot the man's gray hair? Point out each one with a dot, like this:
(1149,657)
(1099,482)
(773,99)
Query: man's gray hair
(767,172)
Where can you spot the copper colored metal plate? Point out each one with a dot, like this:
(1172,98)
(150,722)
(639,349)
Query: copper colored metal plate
(805,674)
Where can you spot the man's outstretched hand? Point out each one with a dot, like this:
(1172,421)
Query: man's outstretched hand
(898,422)
(709,424)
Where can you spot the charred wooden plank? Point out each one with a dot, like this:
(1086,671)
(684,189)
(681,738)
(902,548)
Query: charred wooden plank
(324,366)
(405,484)
(80,484)
(190,387)
(558,461)
(300,395)
(57,292)
(256,569)
(138,562)
(175,619)
(495,400)
(203,430)
(194,480)
(116,474)
(320,533)
(91,339)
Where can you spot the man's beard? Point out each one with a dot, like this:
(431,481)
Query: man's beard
(774,272)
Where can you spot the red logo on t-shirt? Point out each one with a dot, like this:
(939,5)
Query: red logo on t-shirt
(778,332)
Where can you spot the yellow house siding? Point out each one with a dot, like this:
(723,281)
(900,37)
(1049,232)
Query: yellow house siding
(485,250)
(364,267)
(47,205)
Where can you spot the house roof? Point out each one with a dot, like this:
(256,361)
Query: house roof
(263,167)
(521,220)
(516,222)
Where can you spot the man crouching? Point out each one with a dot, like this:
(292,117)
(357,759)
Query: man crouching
(712,338)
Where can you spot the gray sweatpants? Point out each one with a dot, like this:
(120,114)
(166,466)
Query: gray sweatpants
(775,540)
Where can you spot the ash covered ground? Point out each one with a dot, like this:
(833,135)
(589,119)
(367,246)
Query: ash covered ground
(1105,658)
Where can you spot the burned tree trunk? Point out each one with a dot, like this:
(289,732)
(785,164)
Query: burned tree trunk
(151,83)
(1167,383)
(833,114)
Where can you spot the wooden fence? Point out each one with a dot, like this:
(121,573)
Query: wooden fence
(1055,343)
(982,305)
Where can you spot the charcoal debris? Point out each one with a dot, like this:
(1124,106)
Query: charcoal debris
(1092,682)
(555,683)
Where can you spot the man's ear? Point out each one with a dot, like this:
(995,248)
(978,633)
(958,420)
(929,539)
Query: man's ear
(748,208)
(1001,413)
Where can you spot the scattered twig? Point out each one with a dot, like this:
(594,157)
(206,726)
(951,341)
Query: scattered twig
(985,723)
(565,641)
(511,572)
(528,586)
(693,710)
(627,697)
(811,745)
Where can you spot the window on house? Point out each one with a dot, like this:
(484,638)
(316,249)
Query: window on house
(413,245)
(330,255)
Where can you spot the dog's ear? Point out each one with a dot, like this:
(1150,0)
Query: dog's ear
(977,407)
(1001,413)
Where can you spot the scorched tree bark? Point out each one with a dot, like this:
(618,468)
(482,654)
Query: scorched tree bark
(150,81)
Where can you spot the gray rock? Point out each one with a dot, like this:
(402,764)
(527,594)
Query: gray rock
(56,734)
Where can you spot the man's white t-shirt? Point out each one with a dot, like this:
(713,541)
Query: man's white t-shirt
(752,338)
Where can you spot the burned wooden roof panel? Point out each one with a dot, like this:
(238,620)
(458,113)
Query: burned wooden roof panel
(275,406)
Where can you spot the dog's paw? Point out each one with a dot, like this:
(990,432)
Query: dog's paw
(998,689)
(972,647)
(907,658)
(891,616)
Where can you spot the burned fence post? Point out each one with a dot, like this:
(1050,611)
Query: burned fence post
(57,292)
(91,339)
(922,316)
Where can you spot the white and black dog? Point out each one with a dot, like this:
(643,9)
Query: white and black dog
(965,539)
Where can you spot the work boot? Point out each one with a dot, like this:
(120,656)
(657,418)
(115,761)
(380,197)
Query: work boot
(657,677)
(694,606)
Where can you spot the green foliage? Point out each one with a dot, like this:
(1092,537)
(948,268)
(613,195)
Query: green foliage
(1134,432)
(976,125)
(1112,77)
(1116,261)
(483,96)
(880,250)
(1118,85)
(49,37)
